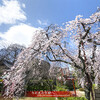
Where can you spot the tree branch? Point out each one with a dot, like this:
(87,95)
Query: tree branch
(77,66)
(59,60)
(86,30)
(79,54)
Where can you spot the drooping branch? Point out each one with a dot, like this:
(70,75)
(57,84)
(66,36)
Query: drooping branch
(93,52)
(64,52)
(96,43)
(58,60)
(86,31)
(73,61)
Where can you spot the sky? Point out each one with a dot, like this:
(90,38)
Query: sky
(19,19)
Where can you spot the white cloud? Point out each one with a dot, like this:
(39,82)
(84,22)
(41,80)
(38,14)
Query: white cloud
(21,34)
(42,22)
(23,5)
(39,22)
(10,12)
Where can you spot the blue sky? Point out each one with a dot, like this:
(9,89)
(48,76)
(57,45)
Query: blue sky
(19,19)
(58,11)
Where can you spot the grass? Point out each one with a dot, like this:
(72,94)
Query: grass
(38,98)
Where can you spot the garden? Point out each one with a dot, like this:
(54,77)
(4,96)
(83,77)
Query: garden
(48,51)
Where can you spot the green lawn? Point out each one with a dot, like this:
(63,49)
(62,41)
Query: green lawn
(38,98)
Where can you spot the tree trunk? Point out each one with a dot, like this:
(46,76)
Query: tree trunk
(88,87)
(92,94)
(87,92)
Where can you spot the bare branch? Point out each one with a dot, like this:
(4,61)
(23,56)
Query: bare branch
(74,63)
(59,60)
(86,30)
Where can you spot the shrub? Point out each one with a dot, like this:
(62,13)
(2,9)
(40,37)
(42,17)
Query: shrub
(60,88)
(1,87)
(81,89)
(73,98)
(69,85)
(76,98)
(44,85)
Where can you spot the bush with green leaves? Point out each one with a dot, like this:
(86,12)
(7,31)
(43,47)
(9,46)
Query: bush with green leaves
(76,98)
(1,87)
(72,98)
(81,89)
(60,88)
(43,85)
(69,85)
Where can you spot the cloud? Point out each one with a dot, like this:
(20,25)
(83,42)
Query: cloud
(21,34)
(23,5)
(39,22)
(10,12)
(42,22)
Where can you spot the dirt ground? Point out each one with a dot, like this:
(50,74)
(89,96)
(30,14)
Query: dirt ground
(80,93)
(2,98)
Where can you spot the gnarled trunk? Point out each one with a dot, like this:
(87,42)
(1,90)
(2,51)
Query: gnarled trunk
(88,88)
(87,91)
